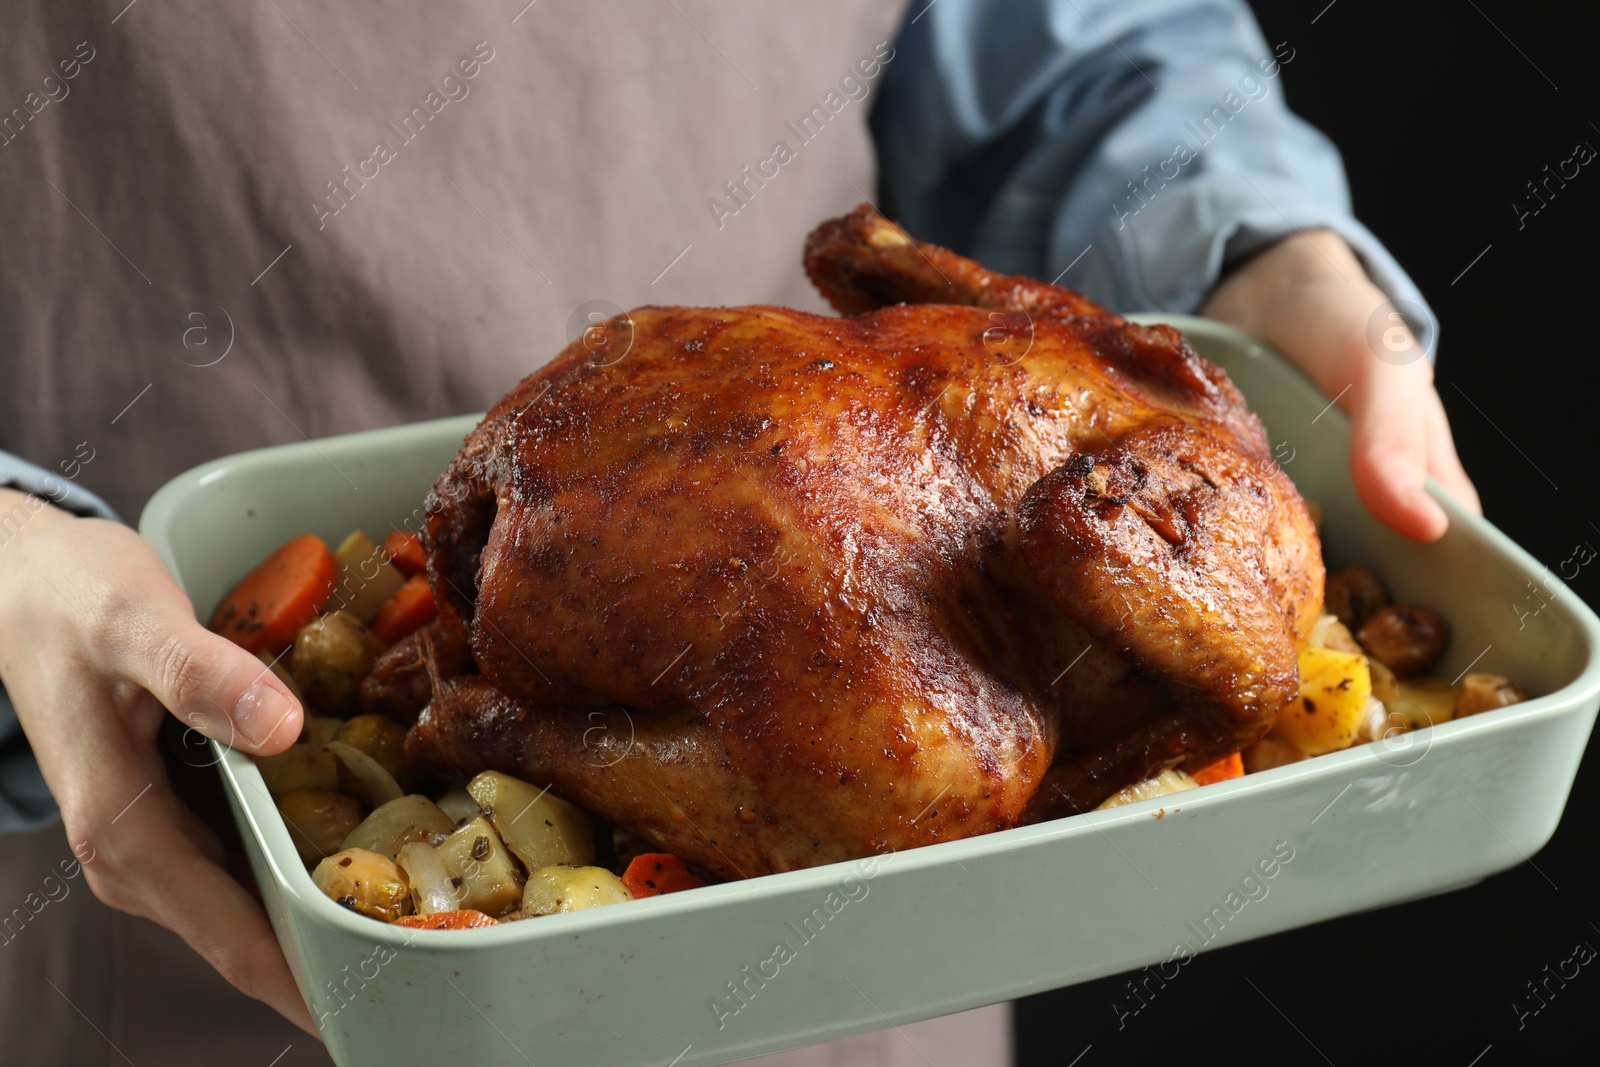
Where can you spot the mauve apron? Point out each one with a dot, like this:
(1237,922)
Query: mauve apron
(230,226)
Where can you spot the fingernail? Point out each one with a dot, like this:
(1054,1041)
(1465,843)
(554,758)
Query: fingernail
(260,713)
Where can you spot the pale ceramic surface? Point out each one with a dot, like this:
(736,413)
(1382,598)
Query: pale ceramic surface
(943,928)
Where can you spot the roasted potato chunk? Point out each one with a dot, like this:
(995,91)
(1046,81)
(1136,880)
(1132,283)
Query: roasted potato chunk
(1353,595)
(1335,688)
(381,738)
(553,889)
(1485,692)
(366,578)
(331,657)
(364,882)
(1405,638)
(538,826)
(318,820)
(482,871)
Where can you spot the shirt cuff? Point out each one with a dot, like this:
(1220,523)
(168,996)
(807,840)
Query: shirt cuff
(1170,253)
(61,491)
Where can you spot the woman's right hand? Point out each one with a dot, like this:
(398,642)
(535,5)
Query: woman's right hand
(97,645)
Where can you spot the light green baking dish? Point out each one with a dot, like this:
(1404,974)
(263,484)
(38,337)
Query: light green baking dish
(736,970)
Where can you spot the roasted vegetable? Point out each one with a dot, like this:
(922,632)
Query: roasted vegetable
(331,657)
(318,820)
(432,890)
(404,552)
(1425,701)
(299,767)
(366,578)
(1169,781)
(539,827)
(364,776)
(1385,686)
(459,805)
(381,738)
(553,889)
(318,730)
(654,873)
(1352,595)
(1335,688)
(481,869)
(288,588)
(1405,638)
(1485,692)
(1219,771)
(465,919)
(396,824)
(409,610)
(364,882)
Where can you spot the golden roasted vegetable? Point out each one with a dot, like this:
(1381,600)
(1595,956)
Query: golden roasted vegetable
(1485,692)
(364,882)
(381,738)
(489,879)
(331,656)
(366,578)
(459,805)
(1335,687)
(1352,595)
(318,820)
(1405,638)
(299,767)
(1168,781)
(553,889)
(1425,701)
(539,827)
(396,824)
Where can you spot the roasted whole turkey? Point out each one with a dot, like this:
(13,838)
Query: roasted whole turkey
(771,589)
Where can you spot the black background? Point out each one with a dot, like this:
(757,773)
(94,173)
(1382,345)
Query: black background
(1442,118)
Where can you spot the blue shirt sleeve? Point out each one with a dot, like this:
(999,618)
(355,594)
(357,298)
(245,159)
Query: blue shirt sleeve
(25,801)
(1133,150)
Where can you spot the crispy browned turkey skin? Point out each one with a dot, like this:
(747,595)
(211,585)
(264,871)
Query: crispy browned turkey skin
(771,589)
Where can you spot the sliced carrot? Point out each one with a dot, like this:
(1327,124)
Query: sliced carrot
(410,609)
(654,873)
(465,919)
(405,552)
(264,611)
(1220,771)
